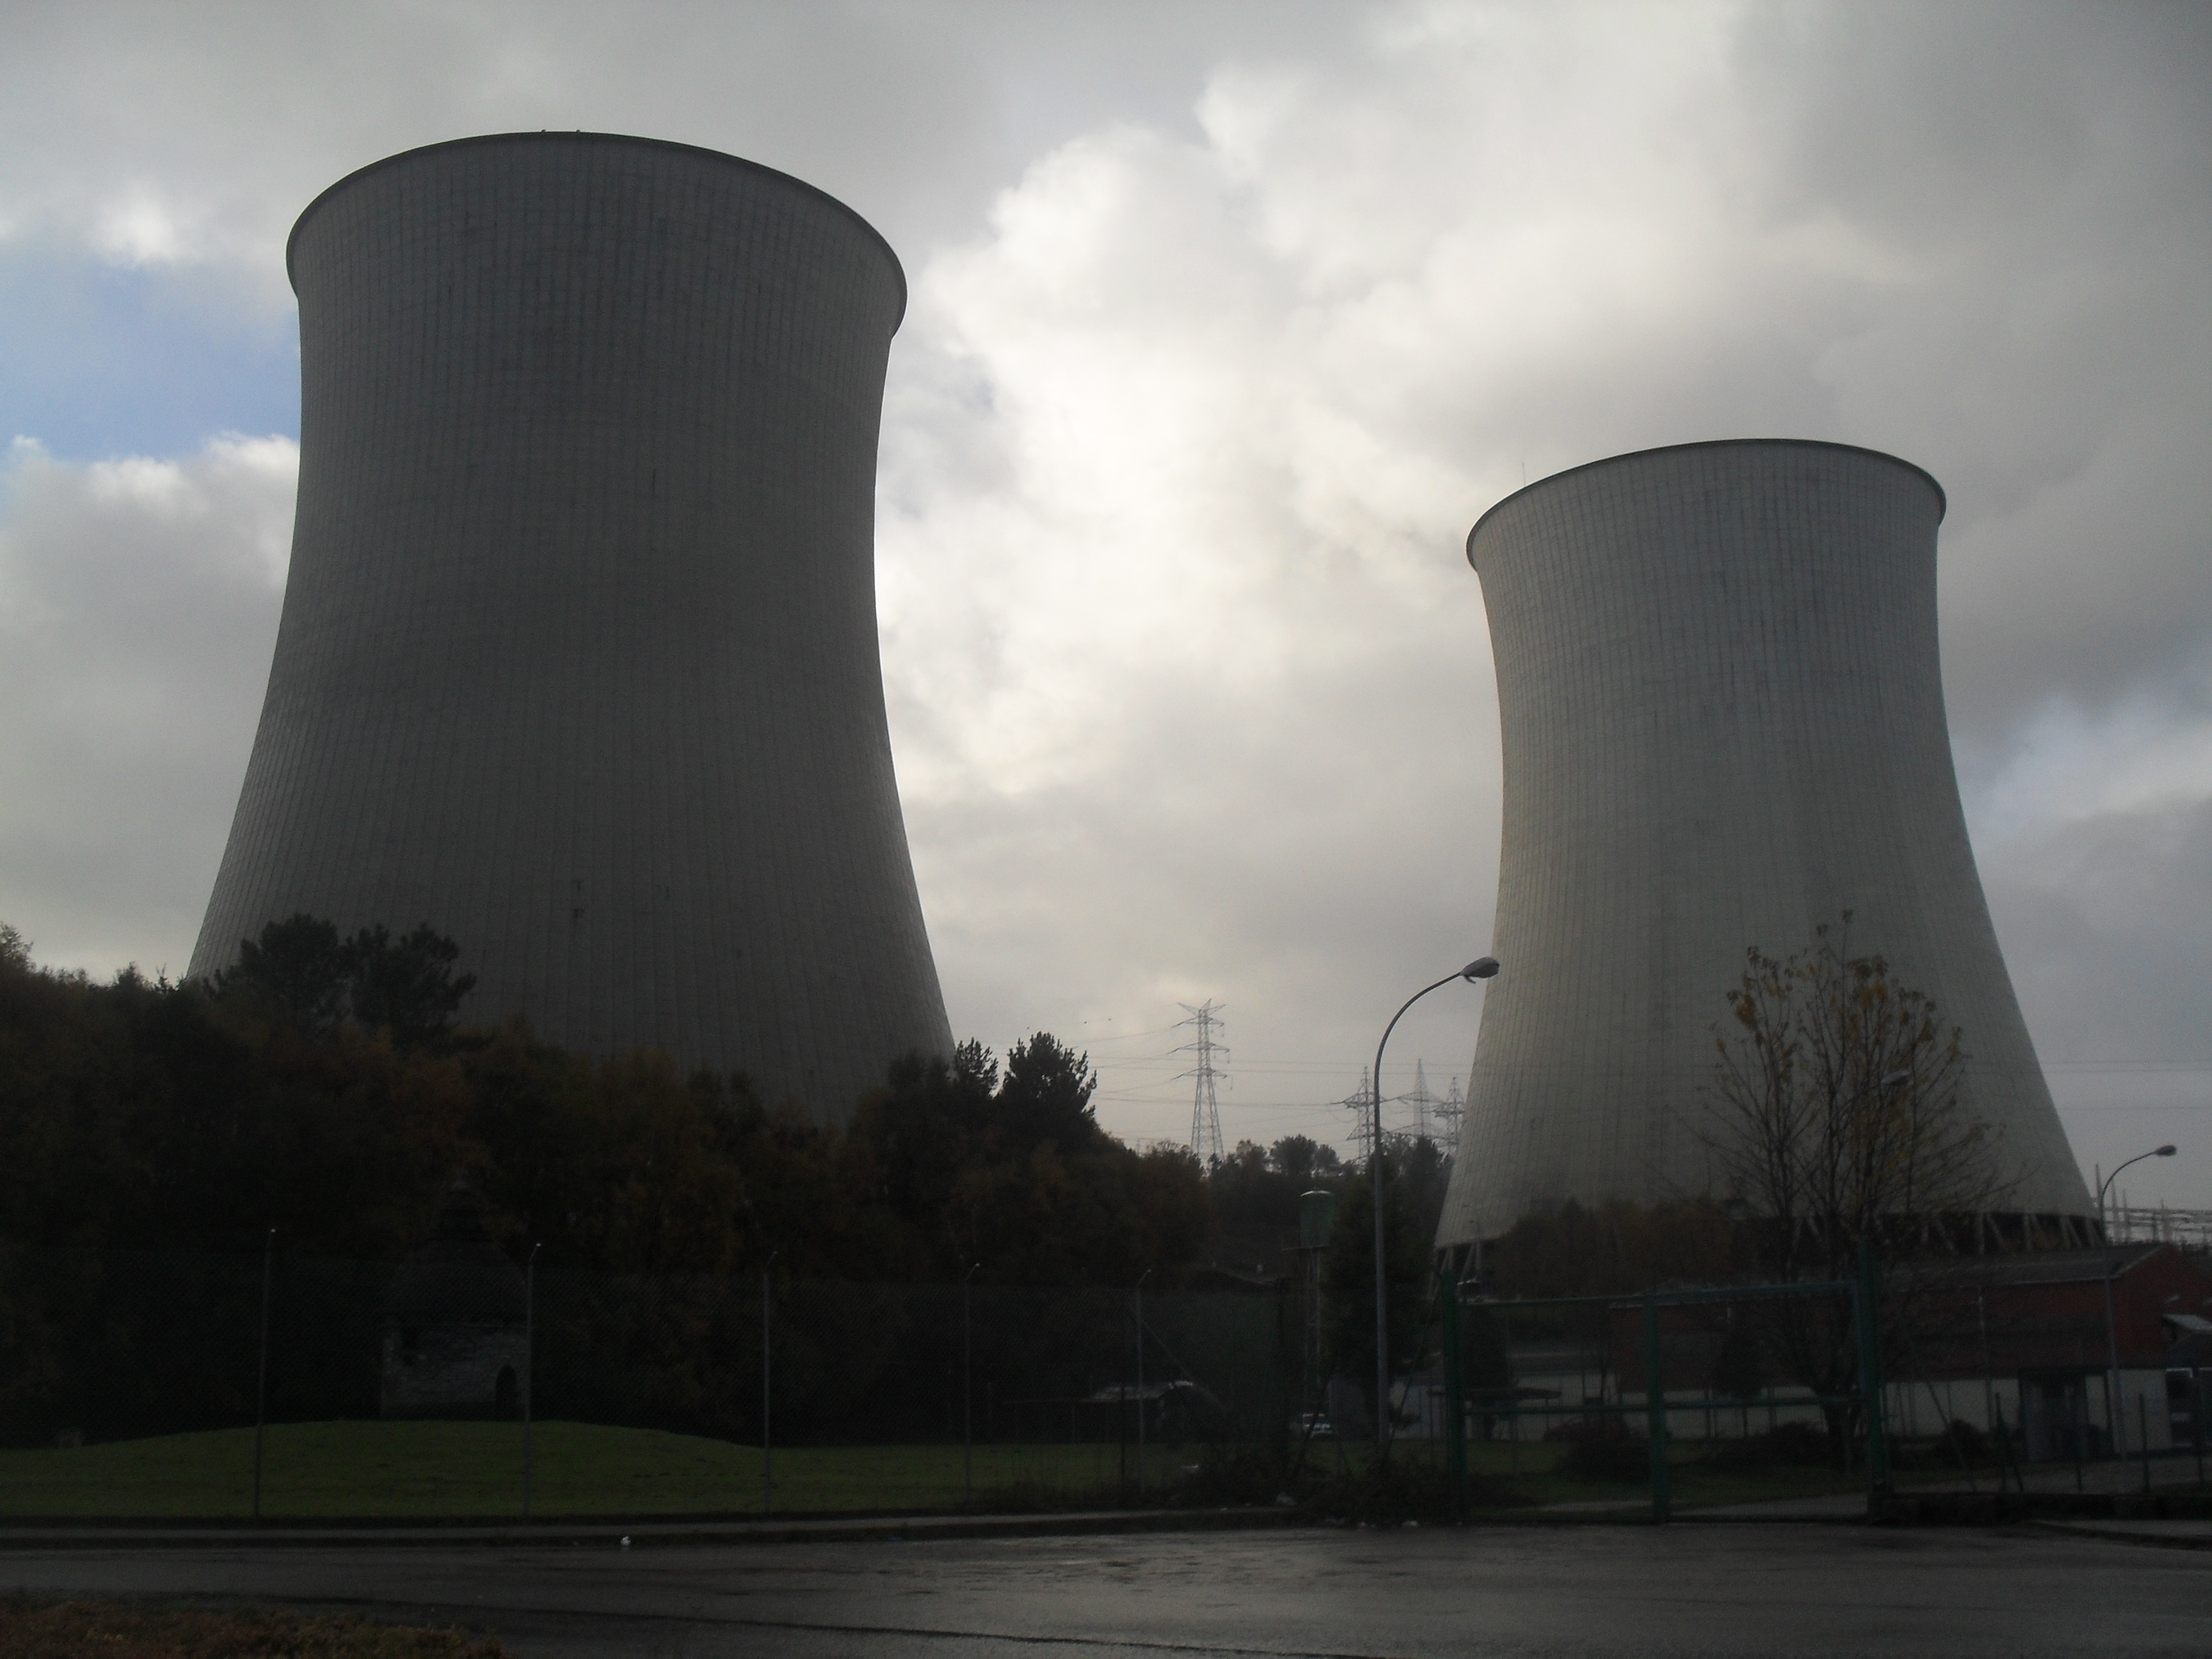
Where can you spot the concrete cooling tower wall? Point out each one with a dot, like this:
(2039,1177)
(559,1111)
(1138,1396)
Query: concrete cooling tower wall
(578,661)
(1723,721)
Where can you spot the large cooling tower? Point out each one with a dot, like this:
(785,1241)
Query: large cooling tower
(1723,722)
(578,661)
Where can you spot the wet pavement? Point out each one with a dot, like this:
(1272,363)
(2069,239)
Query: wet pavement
(1534,1590)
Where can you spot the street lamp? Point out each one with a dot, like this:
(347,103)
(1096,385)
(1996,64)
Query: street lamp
(1480,968)
(2112,1408)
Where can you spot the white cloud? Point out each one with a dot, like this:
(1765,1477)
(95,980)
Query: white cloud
(1186,665)
(139,601)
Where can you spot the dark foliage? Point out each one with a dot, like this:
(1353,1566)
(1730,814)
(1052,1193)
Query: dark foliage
(1601,1448)
(305,1093)
(1349,1285)
(1787,1445)
(301,973)
(152,1134)
(1961,1445)
(1256,1190)
(1409,1487)
(1614,1249)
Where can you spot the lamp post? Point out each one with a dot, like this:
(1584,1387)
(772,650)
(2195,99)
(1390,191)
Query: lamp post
(1480,968)
(2113,1410)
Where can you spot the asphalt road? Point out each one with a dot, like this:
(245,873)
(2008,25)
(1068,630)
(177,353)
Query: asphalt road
(1583,1592)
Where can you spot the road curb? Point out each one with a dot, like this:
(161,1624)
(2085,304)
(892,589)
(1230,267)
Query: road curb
(2126,1535)
(644,1534)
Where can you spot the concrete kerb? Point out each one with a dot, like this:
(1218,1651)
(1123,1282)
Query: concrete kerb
(2159,1535)
(54,1535)
(70,1534)
(58,1533)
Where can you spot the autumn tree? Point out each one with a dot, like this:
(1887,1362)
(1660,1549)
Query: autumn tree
(1837,1120)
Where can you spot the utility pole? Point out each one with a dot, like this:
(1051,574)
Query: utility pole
(1206,1142)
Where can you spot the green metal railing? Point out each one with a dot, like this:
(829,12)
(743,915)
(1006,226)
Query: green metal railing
(1863,1291)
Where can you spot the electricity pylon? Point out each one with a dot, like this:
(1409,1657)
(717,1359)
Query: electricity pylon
(1206,1142)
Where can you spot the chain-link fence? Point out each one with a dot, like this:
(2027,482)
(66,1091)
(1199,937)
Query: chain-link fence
(293,1386)
(173,1384)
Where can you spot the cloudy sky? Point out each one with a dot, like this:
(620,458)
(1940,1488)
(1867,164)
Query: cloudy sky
(1227,320)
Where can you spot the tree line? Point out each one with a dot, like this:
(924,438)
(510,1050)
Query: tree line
(321,1085)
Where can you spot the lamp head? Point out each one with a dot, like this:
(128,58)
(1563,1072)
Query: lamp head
(1480,968)
(2164,1151)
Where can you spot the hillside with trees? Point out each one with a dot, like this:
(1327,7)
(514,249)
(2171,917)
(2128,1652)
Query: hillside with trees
(320,1087)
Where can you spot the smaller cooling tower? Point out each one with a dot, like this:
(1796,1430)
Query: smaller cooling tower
(1722,723)
(578,661)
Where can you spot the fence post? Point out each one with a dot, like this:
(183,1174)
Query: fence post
(2073,1431)
(768,1453)
(1454,1391)
(1870,1379)
(1138,1293)
(2142,1435)
(2003,1442)
(1655,1411)
(529,1364)
(261,1381)
(968,1386)
(2197,1422)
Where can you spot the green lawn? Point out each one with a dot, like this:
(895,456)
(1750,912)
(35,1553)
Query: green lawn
(444,1470)
(448,1470)
(1530,1469)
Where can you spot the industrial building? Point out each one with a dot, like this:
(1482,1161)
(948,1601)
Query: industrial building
(1722,713)
(578,661)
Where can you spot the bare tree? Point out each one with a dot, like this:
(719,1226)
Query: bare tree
(1837,1118)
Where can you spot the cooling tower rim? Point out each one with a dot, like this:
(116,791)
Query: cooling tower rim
(291,242)
(1942,502)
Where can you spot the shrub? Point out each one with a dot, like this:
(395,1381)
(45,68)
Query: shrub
(1412,1486)
(1787,1445)
(1601,1449)
(1961,1445)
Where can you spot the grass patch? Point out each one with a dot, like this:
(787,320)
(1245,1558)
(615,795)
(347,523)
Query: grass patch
(1693,1476)
(368,1470)
(456,1471)
(103,1629)
(1534,1469)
